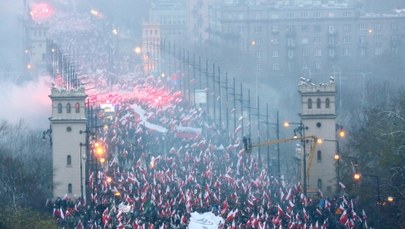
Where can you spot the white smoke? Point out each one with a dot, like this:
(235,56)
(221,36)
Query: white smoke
(29,102)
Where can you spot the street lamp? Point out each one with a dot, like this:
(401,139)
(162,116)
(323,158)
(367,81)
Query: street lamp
(340,132)
(356,174)
(48,133)
(99,155)
(301,131)
(277,125)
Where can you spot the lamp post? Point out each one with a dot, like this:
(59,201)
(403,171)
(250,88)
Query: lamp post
(48,133)
(301,131)
(277,125)
(356,174)
(81,169)
(340,133)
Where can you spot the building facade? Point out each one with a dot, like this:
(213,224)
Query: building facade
(34,47)
(171,16)
(68,121)
(311,39)
(318,115)
(150,51)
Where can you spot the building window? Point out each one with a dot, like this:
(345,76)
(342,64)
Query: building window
(331,52)
(331,28)
(331,40)
(378,38)
(378,27)
(327,103)
(346,14)
(317,40)
(304,41)
(317,28)
(309,103)
(318,65)
(319,183)
(346,28)
(304,51)
(258,54)
(276,66)
(363,52)
(290,28)
(275,53)
(70,188)
(77,107)
(346,52)
(346,39)
(59,108)
(363,26)
(290,42)
(318,52)
(319,156)
(290,54)
(69,160)
(377,51)
(318,103)
(363,39)
(68,108)
(394,26)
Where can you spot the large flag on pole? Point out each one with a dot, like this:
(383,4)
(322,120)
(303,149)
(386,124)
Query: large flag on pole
(207,220)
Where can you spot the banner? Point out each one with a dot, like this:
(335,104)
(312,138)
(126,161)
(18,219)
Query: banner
(206,220)
(187,132)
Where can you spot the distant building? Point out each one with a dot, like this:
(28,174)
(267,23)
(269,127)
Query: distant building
(34,47)
(150,51)
(307,38)
(197,20)
(171,16)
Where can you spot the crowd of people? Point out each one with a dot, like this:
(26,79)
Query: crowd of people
(156,177)
(167,159)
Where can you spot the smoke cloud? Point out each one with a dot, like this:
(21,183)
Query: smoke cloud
(28,101)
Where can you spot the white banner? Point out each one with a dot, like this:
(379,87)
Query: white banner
(206,220)
(124,208)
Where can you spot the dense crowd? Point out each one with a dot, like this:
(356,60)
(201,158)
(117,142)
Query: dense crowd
(167,159)
(156,176)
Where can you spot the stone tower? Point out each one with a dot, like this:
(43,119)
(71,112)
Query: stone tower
(318,114)
(68,121)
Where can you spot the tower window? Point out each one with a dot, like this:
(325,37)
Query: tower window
(77,107)
(69,160)
(70,188)
(59,108)
(327,103)
(309,103)
(319,156)
(319,183)
(318,103)
(68,108)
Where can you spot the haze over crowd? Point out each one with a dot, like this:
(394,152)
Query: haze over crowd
(20,92)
